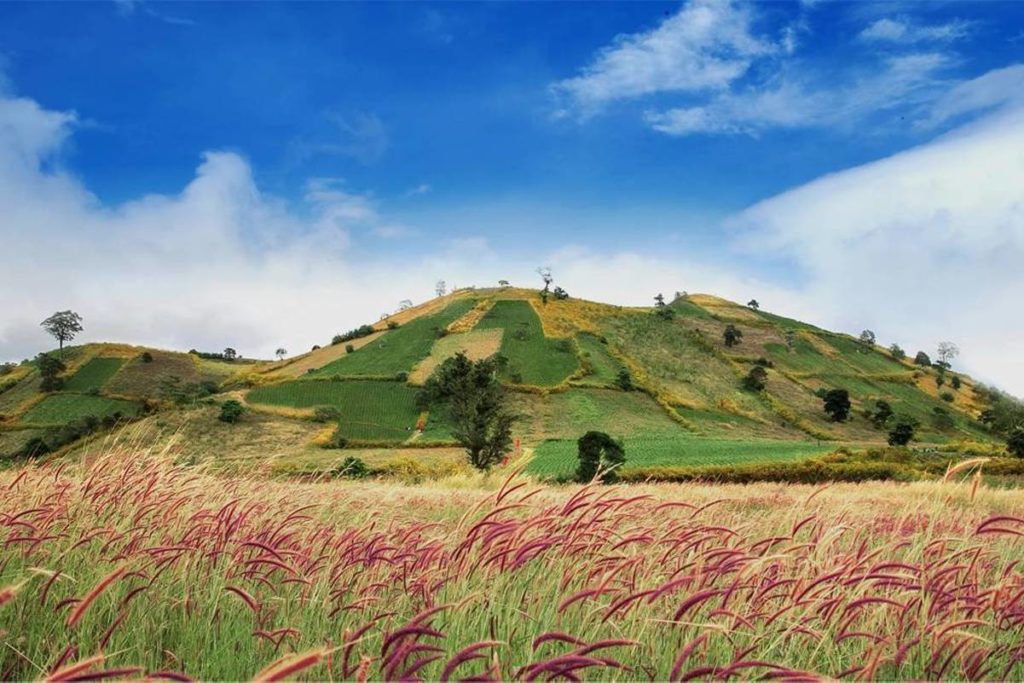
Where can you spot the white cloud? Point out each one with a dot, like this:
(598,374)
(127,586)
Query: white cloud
(997,88)
(707,45)
(798,101)
(922,246)
(905,31)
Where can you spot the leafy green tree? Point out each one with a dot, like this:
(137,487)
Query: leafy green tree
(754,305)
(903,429)
(230,354)
(867,338)
(922,359)
(1015,442)
(50,368)
(476,404)
(756,379)
(280,353)
(63,326)
(598,452)
(231,411)
(624,380)
(955,382)
(897,352)
(352,468)
(837,404)
(732,335)
(882,413)
(560,294)
(659,300)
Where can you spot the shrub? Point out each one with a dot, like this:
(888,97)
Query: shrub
(624,380)
(598,451)
(402,376)
(231,411)
(336,440)
(903,429)
(349,348)
(837,404)
(146,357)
(336,339)
(922,359)
(897,352)
(956,383)
(325,414)
(1015,442)
(764,362)
(351,468)
(34,447)
(947,396)
(392,325)
(560,294)
(732,335)
(756,379)
(882,414)
(316,347)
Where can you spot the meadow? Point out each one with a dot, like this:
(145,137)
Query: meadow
(128,567)
(559,457)
(397,350)
(532,358)
(59,409)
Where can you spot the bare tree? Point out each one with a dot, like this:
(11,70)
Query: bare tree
(63,326)
(404,304)
(548,278)
(947,351)
(441,288)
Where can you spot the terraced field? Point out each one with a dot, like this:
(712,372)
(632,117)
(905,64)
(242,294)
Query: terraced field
(372,410)
(533,358)
(59,409)
(94,374)
(397,350)
(553,458)
(604,368)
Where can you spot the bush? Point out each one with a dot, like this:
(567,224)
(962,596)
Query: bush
(146,357)
(336,440)
(756,379)
(732,335)
(956,383)
(947,396)
(922,359)
(349,348)
(903,429)
(882,414)
(351,468)
(231,411)
(764,362)
(1015,442)
(624,380)
(402,376)
(392,325)
(325,414)
(598,451)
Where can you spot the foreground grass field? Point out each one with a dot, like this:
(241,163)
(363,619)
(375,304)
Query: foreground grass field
(130,567)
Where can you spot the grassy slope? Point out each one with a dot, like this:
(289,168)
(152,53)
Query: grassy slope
(94,374)
(59,409)
(533,358)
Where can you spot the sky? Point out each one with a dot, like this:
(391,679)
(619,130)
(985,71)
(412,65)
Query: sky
(203,175)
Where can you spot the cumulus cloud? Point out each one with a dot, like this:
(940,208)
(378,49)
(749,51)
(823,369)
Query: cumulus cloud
(906,31)
(922,246)
(705,46)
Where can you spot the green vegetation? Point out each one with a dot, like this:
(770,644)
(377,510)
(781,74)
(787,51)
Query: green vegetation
(370,410)
(94,374)
(532,358)
(559,458)
(598,453)
(60,409)
(397,350)
(603,368)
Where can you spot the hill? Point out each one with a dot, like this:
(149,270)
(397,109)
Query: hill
(687,405)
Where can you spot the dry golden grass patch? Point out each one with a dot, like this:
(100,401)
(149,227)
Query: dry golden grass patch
(314,360)
(725,309)
(477,345)
(472,317)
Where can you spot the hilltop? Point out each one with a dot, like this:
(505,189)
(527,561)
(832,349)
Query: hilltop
(684,403)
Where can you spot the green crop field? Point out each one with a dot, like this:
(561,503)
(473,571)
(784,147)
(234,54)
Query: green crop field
(59,409)
(371,410)
(554,458)
(571,413)
(533,358)
(868,361)
(397,350)
(94,374)
(604,368)
(804,358)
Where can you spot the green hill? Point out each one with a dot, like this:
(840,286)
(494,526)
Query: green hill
(565,358)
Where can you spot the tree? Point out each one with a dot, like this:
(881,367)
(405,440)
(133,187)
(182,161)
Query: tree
(756,379)
(1015,442)
(922,359)
(882,414)
(903,429)
(231,411)
(791,340)
(280,353)
(867,338)
(956,383)
(897,352)
(598,452)
(548,278)
(63,326)
(837,404)
(441,288)
(503,283)
(732,335)
(476,405)
(624,380)
(947,351)
(405,304)
(560,294)
(230,354)
(50,368)
(659,300)
(754,305)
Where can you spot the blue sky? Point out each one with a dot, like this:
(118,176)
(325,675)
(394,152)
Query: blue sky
(319,149)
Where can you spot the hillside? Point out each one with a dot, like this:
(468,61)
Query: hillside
(687,405)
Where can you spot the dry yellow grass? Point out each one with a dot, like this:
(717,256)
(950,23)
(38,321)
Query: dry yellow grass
(725,309)
(300,365)
(470,319)
(477,345)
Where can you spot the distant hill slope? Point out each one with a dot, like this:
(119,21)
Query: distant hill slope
(565,359)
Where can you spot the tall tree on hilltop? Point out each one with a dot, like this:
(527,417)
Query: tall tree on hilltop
(754,305)
(441,288)
(947,351)
(63,326)
(867,338)
(548,278)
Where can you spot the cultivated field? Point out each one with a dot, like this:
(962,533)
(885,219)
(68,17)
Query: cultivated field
(533,358)
(94,374)
(130,567)
(59,409)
